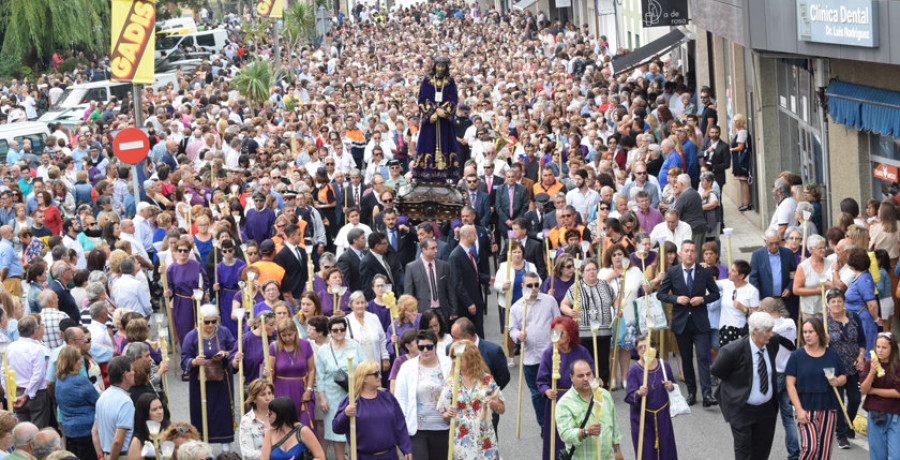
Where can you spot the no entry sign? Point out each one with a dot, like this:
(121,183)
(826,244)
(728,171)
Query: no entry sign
(131,145)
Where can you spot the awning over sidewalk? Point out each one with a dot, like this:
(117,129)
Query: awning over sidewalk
(864,107)
(523,4)
(640,56)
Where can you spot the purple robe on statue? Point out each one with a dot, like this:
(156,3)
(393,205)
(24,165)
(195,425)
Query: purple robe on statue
(380,427)
(659,435)
(219,395)
(292,379)
(437,158)
(229,275)
(564,383)
(182,280)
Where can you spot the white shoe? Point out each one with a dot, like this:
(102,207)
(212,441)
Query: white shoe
(510,362)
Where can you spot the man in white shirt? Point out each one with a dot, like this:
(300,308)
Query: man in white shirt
(130,292)
(127,233)
(99,332)
(387,146)
(71,228)
(672,229)
(581,197)
(784,215)
(143,228)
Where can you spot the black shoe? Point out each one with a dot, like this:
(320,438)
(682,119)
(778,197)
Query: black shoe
(843,443)
(710,401)
(743,208)
(851,434)
(692,400)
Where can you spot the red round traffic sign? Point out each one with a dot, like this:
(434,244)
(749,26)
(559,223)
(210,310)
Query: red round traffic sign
(131,145)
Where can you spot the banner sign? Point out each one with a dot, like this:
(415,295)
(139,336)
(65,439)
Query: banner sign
(133,26)
(270,9)
(660,13)
(839,22)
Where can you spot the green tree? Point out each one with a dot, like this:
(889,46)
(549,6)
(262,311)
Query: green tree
(35,29)
(300,24)
(254,82)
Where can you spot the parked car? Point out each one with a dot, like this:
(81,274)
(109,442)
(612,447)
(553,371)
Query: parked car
(36,131)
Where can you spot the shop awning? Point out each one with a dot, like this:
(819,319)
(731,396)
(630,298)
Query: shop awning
(521,5)
(660,46)
(864,107)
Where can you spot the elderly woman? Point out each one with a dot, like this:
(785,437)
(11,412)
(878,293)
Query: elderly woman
(815,406)
(380,423)
(8,421)
(252,344)
(739,299)
(326,261)
(183,277)
(410,317)
(627,282)
(846,337)
(293,366)
(860,295)
(711,259)
(209,345)
(75,398)
(366,329)
(255,422)
(180,433)
(271,294)
(596,305)
(793,239)
(334,301)
(810,273)
(710,203)
(331,361)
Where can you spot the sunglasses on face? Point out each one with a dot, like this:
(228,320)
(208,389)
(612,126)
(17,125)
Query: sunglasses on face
(389,200)
(604,208)
(374,374)
(209,322)
(339,329)
(227,251)
(251,253)
(183,251)
(428,347)
(532,285)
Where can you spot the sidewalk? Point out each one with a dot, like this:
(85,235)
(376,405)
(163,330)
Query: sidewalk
(747,236)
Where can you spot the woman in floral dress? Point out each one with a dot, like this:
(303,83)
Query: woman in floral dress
(476,398)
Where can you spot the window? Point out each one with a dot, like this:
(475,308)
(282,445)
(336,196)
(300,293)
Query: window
(37,142)
(885,153)
(95,94)
(206,40)
(120,92)
(4,149)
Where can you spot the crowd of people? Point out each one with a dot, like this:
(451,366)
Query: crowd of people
(270,235)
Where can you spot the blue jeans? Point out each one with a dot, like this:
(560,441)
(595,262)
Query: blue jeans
(537,398)
(791,440)
(853,399)
(884,440)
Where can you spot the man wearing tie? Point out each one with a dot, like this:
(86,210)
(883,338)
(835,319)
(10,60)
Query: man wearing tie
(748,392)
(478,200)
(689,288)
(375,263)
(292,258)
(348,262)
(428,279)
(511,202)
(354,190)
(468,279)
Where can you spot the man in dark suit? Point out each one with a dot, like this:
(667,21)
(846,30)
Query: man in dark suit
(748,392)
(428,279)
(401,241)
(534,250)
(469,278)
(772,268)
(348,262)
(493,356)
(375,263)
(491,181)
(62,275)
(370,200)
(478,200)
(511,202)
(716,153)
(426,230)
(536,216)
(689,288)
(292,258)
(355,190)
(483,243)
(690,207)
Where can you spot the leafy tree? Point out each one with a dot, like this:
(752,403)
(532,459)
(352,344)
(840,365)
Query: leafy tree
(300,24)
(254,82)
(35,29)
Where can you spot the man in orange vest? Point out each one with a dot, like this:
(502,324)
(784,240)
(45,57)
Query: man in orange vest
(548,183)
(565,219)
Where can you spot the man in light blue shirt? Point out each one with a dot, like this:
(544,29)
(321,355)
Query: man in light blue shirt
(12,155)
(10,265)
(114,419)
(131,293)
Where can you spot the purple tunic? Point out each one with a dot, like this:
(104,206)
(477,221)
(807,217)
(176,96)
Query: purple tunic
(328,302)
(263,306)
(382,312)
(544,383)
(401,329)
(436,158)
(259,225)
(248,307)
(560,288)
(380,427)
(183,279)
(219,395)
(659,445)
(253,355)
(291,379)
(228,281)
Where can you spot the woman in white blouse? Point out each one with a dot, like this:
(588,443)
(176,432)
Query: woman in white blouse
(255,422)
(739,299)
(621,274)
(365,328)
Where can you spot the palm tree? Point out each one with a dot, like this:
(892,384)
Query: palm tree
(300,24)
(254,82)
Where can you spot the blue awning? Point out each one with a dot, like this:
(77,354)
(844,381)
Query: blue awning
(864,107)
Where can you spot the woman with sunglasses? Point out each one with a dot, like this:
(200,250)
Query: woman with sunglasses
(880,381)
(331,361)
(76,399)
(183,277)
(418,388)
(229,270)
(562,278)
(380,423)
(209,346)
(327,261)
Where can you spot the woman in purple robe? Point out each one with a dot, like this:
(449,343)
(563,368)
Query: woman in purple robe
(408,308)
(294,370)
(183,277)
(332,292)
(562,278)
(659,436)
(210,346)
(229,272)
(254,293)
(376,305)
(271,296)
(252,345)
(570,350)
(437,157)
(380,423)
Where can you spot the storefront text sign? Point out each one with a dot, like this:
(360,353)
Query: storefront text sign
(885,172)
(838,22)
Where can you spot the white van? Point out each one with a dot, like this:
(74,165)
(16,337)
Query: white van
(36,131)
(213,41)
(180,26)
(100,91)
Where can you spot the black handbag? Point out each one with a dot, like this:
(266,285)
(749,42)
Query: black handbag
(340,377)
(564,454)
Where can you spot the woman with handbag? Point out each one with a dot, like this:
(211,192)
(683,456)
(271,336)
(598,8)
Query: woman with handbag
(846,337)
(332,379)
(880,379)
(209,346)
(295,441)
(659,435)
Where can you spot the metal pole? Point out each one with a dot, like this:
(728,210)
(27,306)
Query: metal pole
(138,123)
(276,35)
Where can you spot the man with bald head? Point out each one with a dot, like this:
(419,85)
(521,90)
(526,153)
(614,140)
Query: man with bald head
(468,278)
(10,265)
